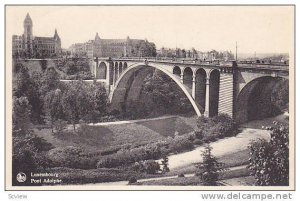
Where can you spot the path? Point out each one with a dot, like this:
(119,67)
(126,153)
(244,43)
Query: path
(221,147)
(250,131)
(70,126)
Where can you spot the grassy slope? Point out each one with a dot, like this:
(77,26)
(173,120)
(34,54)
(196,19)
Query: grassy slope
(103,137)
(35,66)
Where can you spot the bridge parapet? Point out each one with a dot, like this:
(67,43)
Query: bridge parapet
(270,66)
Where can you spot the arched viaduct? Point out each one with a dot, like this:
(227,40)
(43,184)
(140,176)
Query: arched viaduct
(240,90)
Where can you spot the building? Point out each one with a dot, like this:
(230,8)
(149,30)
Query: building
(114,48)
(29,46)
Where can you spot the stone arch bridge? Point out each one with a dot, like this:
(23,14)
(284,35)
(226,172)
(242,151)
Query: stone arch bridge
(241,90)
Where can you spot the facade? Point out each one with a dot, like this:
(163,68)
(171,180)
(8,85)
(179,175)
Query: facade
(29,46)
(105,47)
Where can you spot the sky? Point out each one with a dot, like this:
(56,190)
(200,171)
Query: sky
(260,29)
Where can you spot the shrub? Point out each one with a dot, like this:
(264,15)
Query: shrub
(197,142)
(181,143)
(181,175)
(129,156)
(79,176)
(151,167)
(165,164)
(72,157)
(210,168)
(132,180)
(59,125)
(28,155)
(209,129)
(269,161)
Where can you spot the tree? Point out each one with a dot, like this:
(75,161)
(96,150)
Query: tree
(98,100)
(71,102)
(21,114)
(43,64)
(165,164)
(269,161)
(280,95)
(25,85)
(49,80)
(29,154)
(83,101)
(210,168)
(53,106)
(165,95)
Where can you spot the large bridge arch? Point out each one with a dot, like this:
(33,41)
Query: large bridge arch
(254,100)
(129,85)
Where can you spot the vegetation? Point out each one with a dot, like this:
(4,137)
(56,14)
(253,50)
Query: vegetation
(269,161)
(280,95)
(81,101)
(210,168)
(29,153)
(25,86)
(216,127)
(143,49)
(75,68)
(159,95)
(165,164)
(79,176)
(72,157)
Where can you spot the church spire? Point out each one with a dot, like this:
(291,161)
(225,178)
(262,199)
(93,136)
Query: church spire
(97,38)
(28,19)
(56,36)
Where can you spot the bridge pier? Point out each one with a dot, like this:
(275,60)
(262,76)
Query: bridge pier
(194,86)
(206,111)
(181,77)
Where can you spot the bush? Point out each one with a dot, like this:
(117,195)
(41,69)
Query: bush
(165,164)
(79,176)
(197,142)
(269,161)
(181,175)
(209,129)
(59,125)
(132,180)
(210,168)
(71,157)
(151,167)
(127,157)
(29,154)
(181,143)
(154,151)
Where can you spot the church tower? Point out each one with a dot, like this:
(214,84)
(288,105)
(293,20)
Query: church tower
(28,36)
(57,42)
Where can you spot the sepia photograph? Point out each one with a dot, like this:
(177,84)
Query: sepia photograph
(150,97)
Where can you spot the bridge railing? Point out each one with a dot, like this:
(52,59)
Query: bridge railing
(222,63)
(173,60)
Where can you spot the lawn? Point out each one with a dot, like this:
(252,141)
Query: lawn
(102,137)
(100,175)
(229,175)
